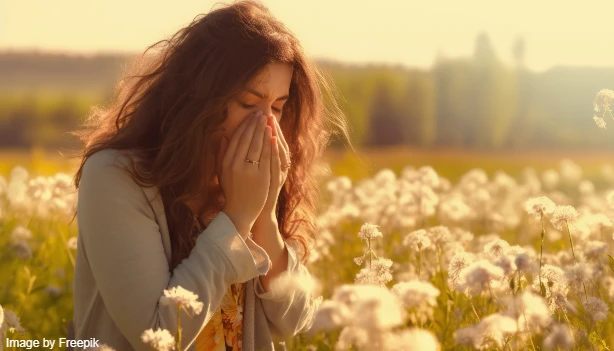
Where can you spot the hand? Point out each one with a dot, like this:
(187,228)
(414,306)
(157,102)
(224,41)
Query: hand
(245,185)
(280,159)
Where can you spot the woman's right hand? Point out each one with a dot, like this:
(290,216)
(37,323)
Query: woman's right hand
(245,185)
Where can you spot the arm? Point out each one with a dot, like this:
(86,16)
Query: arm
(289,311)
(123,245)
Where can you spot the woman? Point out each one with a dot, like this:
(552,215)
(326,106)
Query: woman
(201,174)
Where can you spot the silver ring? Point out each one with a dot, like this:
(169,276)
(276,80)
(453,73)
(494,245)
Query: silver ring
(254,162)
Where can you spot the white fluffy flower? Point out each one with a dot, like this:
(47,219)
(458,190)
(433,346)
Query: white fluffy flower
(161,339)
(496,248)
(563,214)
(181,297)
(72,243)
(377,274)
(578,275)
(417,240)
(331,315)
(559,338)
(21,233)
(539,206)
(416,339)
(596,308)
(477,277)
(369,231)
(414,293)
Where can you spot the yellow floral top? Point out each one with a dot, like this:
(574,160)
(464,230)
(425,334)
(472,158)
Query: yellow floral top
(224,330)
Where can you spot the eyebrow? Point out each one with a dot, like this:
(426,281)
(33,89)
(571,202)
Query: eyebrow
(263,96)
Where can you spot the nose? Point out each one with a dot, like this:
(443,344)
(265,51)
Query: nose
(268,111)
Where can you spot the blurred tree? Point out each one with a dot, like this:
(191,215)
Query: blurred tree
(385,126)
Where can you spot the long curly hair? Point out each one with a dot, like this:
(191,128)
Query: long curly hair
(171,101)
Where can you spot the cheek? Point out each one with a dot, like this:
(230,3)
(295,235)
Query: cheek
(234,117)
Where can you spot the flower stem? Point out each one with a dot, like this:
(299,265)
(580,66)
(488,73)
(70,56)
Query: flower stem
(541,258)
(178,336)
(419,259)
(574,256)
(571,242)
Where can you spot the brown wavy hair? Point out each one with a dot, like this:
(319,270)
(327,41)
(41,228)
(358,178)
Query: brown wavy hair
(171,101)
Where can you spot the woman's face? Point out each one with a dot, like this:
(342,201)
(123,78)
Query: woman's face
(268,92)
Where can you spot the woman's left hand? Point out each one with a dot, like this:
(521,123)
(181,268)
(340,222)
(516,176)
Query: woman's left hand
(280,165)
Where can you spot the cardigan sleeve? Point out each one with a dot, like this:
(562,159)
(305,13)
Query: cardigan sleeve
(288,311)
(123,247)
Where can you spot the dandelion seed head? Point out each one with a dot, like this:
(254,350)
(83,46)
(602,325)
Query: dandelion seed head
(72,243)
(415,292)
(476,277)
(21,233)
(22,250)
(550,179)
(558,338)
(563,214)
(539,206)
(331,315)
(578,275)
(523,262)
(369,231)
(439,235)
(593,249)
(416,339)
(161,339)
(496,248)
(53,290)
(417,240)
(596,308)
(179,296)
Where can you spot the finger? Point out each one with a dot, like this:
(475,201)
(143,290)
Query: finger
(220,154)
(255,148)
(234,140)
(265,157)
(283,148)
(246,140)
(275,170)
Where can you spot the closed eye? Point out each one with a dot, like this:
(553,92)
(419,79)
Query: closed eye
(251,106)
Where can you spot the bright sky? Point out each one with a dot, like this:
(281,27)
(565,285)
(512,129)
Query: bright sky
(405,31)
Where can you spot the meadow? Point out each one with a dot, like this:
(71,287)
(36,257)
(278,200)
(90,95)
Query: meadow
(432,250)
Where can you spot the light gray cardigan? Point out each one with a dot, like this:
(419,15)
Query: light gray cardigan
(122,269)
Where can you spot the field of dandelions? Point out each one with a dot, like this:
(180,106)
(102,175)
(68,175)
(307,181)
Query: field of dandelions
(407,261)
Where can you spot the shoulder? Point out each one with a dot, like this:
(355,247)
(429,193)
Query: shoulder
(107,167)
(107,182)
(106,158)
